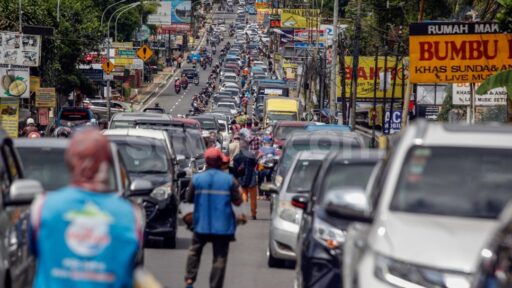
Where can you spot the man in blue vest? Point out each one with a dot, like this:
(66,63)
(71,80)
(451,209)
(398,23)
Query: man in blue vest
(213,192)
(84,235)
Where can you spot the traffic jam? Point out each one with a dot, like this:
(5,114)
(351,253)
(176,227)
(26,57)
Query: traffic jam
(226,177)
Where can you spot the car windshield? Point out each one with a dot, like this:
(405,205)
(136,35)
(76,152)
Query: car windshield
(207,124)
(284,131)
(121,124)
(179,143)
(139,157)
(282,116)
(197,144)
(341,175)
(45,164)
(227,105)
(460,182)
(303,176)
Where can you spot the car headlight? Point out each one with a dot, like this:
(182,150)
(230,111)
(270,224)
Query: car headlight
(407,275)
(289,213)
(330,236)
(161,193)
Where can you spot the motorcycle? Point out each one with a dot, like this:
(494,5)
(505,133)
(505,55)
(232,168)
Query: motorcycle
(177,87)
(214,51)
(265,167)
(196,81)
(184,84)
(204,65)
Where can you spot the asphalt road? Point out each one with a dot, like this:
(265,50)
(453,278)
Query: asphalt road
(247,262)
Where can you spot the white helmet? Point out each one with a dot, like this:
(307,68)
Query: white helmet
(30,121)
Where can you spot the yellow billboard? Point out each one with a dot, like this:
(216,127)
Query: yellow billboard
(9,115)
(366,74)
(299,18)
(458,52)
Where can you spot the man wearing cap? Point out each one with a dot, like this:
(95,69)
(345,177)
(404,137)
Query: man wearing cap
(85,235)
(213,192)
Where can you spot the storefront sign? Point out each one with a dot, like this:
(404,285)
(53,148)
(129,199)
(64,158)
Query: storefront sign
(15,81)
(366,74)
(462,96)
(46,97)
(457,52)
(20,49)
(299,18)
(9,115)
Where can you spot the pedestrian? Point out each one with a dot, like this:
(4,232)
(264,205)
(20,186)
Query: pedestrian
(213,192)
(244,166)
(243,82)
(85,235)
(234,147)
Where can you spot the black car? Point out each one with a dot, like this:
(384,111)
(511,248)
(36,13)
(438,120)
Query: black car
(322,234)
(149,159)
(190,73)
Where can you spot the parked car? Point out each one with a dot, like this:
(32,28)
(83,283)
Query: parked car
(18,266)
(229,105)
(440,198)
(73,116)
(99,107)
(148,155)
(284,225)
(321,235)
(321,140)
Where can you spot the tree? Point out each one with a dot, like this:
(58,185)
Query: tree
(504,16)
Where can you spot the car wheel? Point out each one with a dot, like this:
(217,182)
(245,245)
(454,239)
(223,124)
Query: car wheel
(273,262)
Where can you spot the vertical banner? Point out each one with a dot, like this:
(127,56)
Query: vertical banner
(43,115)
(9,115)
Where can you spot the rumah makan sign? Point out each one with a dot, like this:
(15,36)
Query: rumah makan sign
(457,52)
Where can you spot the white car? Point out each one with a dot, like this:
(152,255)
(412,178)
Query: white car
(222,27)
(230,105)
(440,197)
(229,84)
(229,77)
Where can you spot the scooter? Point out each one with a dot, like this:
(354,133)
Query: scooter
(196,81)
(177,87)
(184,85)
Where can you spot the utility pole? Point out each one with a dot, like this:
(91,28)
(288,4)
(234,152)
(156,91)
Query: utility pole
(422,10)
(357,35)
(334,57)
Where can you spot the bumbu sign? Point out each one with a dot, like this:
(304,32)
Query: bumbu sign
(457,52)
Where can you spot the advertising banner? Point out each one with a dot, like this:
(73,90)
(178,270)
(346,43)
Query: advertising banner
(462,96)
(261,13)
(122,45)
(125,53)
(20,49)
(299,18)
(46,98)
(15,81)
(35,83)
(162,15)
(262,4)
(329,33)
(457,52)
(366,78)
(9,115)
(181,12)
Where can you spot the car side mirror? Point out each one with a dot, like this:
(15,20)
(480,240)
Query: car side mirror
(23,191)
(140,187)
(300,201)
(269,188)
(350,204)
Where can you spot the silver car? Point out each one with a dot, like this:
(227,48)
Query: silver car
(284,225)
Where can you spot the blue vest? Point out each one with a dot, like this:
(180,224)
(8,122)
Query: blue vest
(213,213)
(84,239)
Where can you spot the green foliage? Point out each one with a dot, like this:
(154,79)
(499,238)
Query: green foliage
(500,79)
(504,16)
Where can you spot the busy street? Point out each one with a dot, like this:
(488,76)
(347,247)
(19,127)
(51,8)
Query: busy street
(256,144)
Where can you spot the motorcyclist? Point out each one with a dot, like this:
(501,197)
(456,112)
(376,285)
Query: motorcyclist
(62,132)
(177,81)
(184,80)
(31,127)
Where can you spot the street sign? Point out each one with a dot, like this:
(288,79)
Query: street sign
(107,66)
(144,52)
